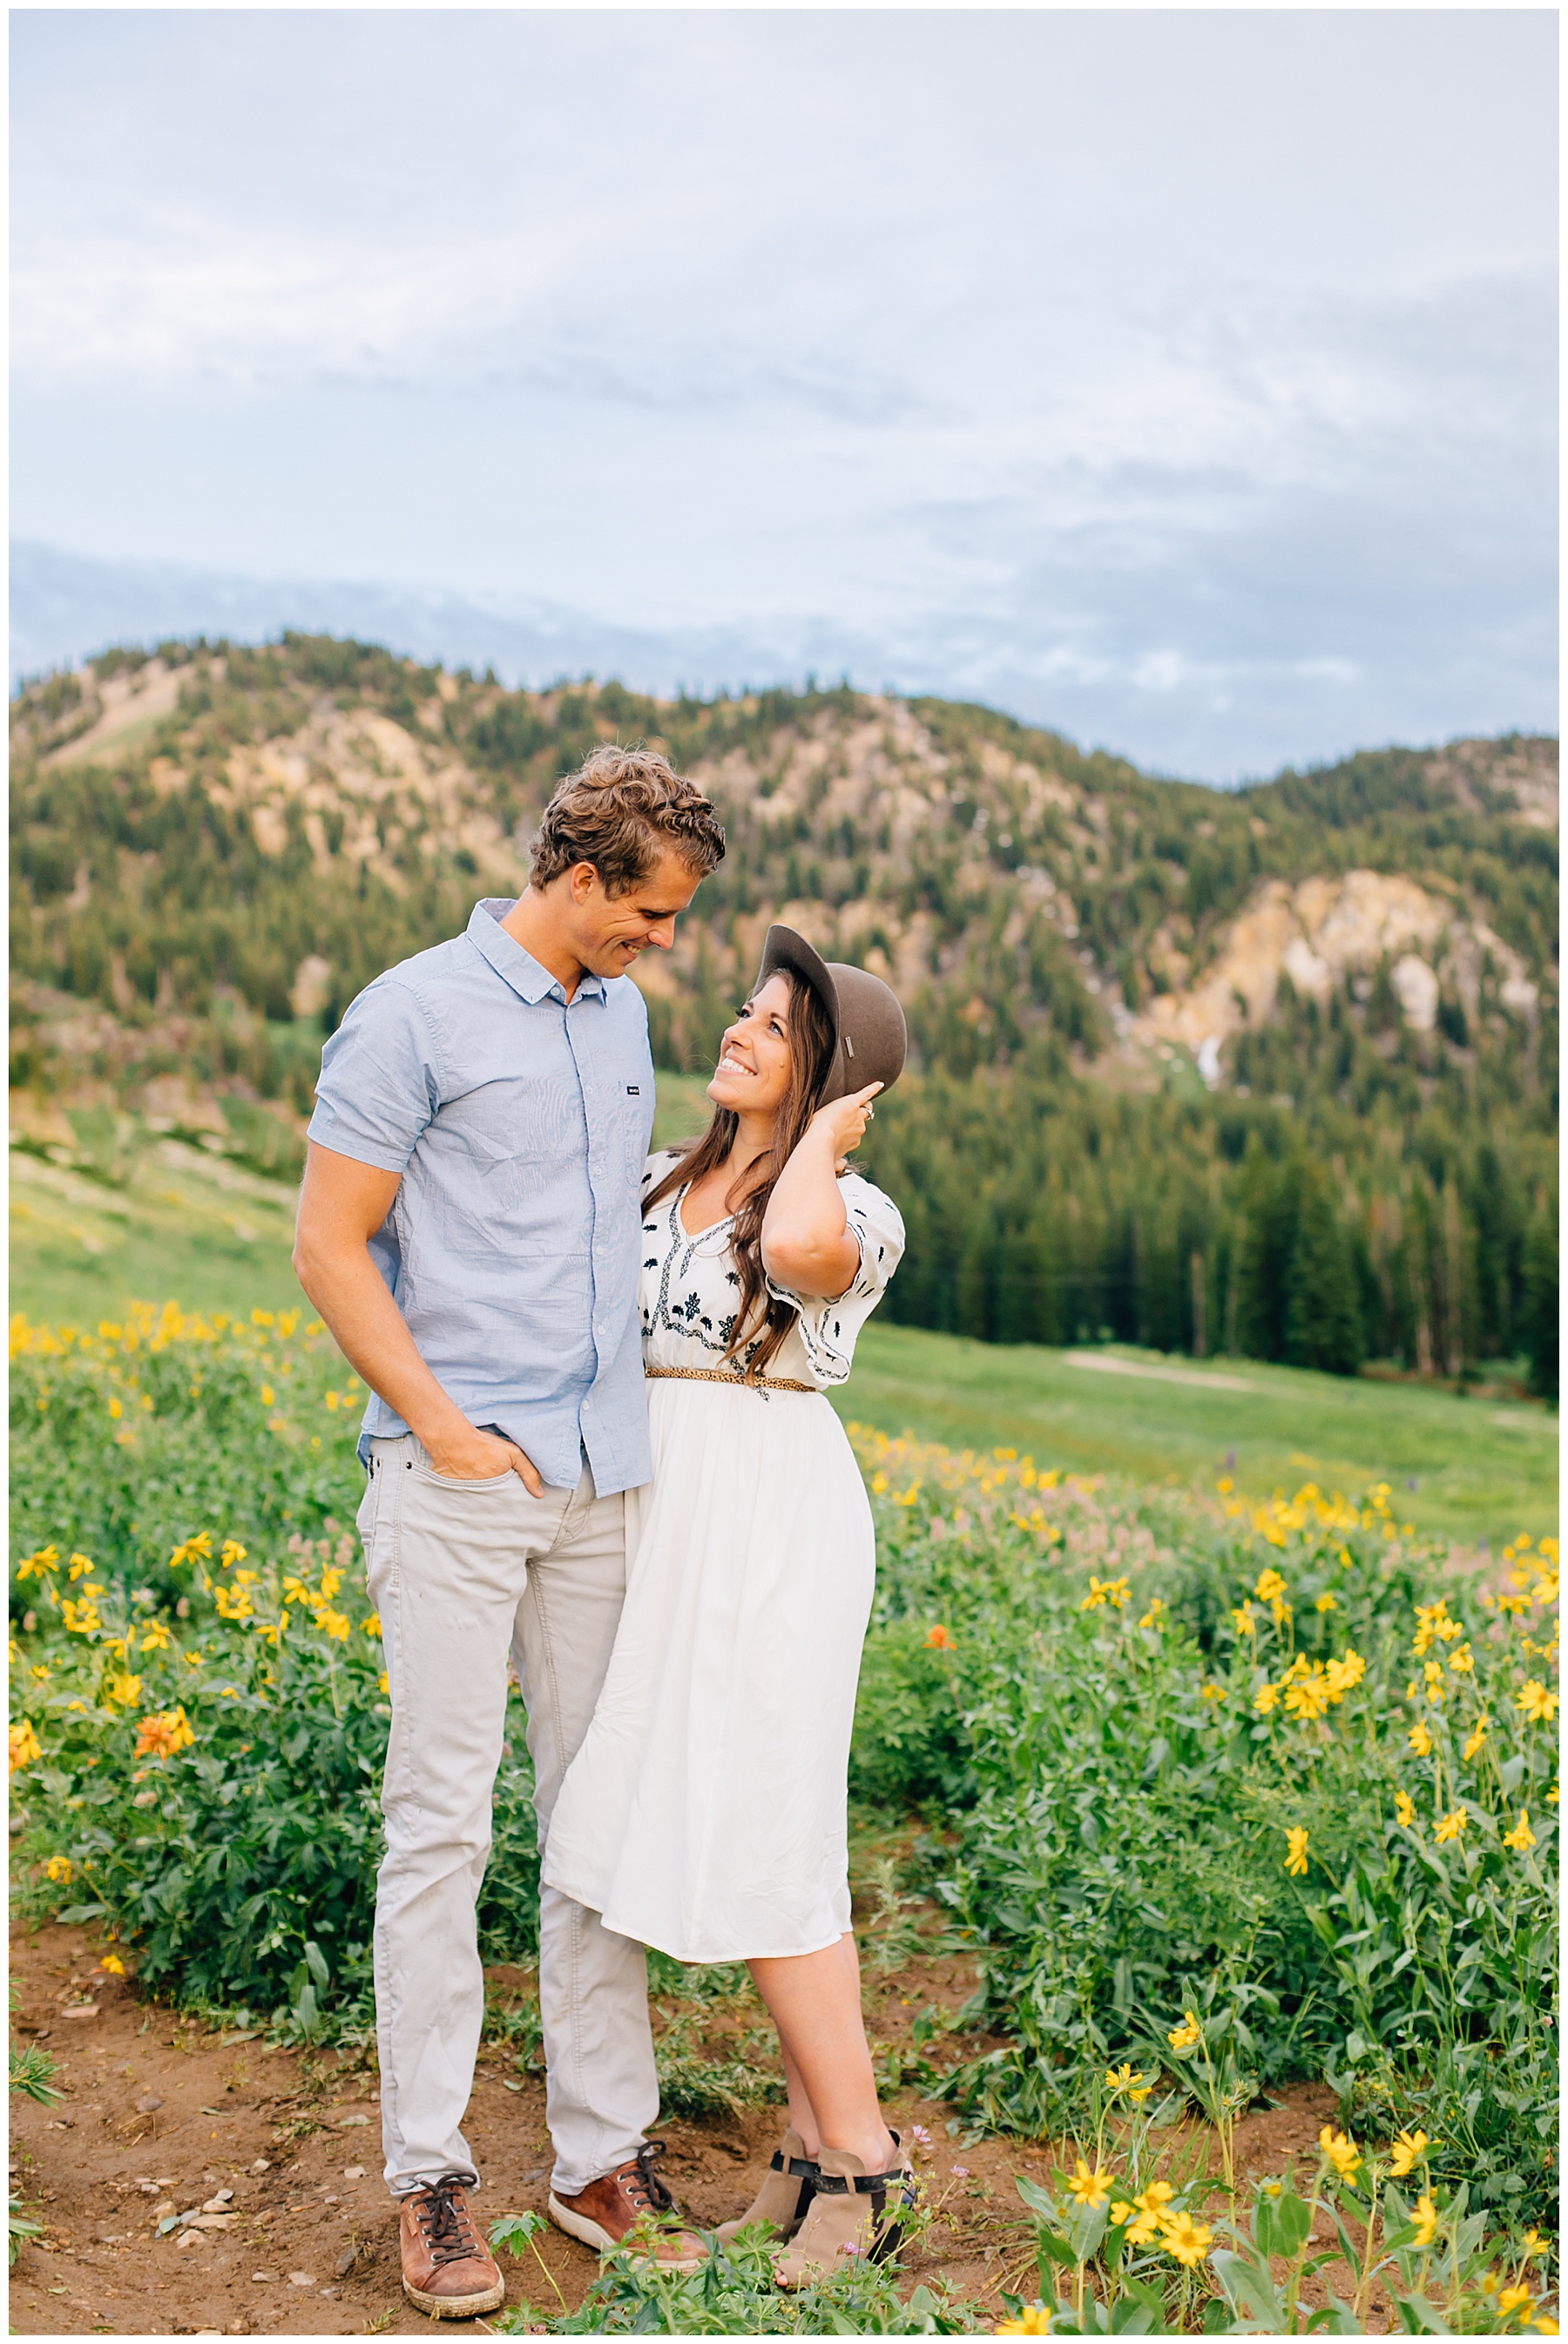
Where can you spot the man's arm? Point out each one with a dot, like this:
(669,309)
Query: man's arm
(342,1204)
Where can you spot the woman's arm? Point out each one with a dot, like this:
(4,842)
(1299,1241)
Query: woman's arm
(806,1241)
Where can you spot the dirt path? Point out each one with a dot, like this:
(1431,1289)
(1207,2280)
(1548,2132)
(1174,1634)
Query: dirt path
(158,2117)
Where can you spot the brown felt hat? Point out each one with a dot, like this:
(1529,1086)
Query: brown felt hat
(867,1023)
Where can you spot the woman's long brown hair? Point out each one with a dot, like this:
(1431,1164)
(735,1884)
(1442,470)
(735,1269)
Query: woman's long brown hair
(812,1046)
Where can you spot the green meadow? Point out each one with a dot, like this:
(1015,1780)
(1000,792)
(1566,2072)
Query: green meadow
(171,1220)
(1481,1470)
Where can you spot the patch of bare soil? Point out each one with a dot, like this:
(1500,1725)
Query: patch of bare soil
(284,2150)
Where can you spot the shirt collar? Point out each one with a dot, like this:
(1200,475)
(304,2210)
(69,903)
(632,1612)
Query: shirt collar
(515,966)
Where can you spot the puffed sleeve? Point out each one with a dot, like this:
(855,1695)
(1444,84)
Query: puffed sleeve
(828,1329)
(380,1082)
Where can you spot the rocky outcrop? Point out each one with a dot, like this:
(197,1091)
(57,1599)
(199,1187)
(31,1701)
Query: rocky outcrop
(1320,932)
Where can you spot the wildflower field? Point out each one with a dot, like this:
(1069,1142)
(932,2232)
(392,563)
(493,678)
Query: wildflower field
(1218,1795)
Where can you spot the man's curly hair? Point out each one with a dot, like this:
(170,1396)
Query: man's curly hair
(620,811)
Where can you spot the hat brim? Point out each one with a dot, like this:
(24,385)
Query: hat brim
(870,1038)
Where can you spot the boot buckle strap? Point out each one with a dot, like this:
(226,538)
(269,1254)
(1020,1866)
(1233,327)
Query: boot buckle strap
(866,2185)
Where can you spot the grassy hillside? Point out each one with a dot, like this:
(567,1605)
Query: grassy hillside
(1483,1469)
(1271,1072)
(185,1223)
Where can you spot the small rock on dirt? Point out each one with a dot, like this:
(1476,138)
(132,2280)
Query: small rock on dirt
(147,2103)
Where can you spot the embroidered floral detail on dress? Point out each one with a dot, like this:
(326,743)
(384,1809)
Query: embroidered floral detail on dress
(697,1277)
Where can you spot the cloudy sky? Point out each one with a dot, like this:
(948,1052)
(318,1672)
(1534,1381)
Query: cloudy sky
(1185,379)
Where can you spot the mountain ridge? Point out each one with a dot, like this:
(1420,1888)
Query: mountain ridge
(215,847)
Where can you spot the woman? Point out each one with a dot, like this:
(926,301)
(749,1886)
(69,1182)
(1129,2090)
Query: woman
(706,1810)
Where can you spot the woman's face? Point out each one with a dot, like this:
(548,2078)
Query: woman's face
(753,1072)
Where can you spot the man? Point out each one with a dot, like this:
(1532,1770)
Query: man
(469,1228)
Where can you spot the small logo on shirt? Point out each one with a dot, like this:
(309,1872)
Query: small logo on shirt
(633,1091)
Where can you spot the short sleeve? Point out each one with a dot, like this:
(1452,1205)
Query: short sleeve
(379,1085)
(828,1329)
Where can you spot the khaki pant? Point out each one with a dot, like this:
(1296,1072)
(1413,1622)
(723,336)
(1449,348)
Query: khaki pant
(463,1573)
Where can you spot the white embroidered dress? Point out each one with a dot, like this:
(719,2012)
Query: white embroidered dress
(705,1812)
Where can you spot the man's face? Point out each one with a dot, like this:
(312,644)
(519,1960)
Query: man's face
(608,931)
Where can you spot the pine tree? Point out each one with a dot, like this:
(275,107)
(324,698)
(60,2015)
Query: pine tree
(1542,1328)
(1322,1308)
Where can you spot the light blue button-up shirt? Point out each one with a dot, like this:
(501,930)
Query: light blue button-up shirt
(519,1124)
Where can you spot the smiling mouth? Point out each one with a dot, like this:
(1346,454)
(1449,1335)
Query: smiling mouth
(729,1065)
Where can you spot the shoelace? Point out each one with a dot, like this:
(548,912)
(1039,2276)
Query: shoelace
(643,2186)
(446,2222)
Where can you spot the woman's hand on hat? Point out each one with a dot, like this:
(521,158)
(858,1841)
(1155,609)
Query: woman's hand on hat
(844,1120)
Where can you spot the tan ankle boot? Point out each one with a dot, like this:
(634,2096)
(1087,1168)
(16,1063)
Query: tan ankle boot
(785,2194)
(852,2211)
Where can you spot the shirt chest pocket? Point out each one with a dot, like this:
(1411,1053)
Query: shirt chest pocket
(519,1135)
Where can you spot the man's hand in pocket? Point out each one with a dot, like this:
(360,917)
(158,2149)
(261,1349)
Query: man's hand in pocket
(463,1453)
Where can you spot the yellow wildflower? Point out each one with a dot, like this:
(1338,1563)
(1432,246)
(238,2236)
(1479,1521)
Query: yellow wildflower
(1534,2244)
(1270,1587)
(1340,2152)
(1308,1698)
(1186,2034)
(113,1963)
(1265,1699)
(123,1690)
(1420,1739)
(59,1868)
(1462,1661)
(1119,2211)
(192,1659)
(1296,1852)
(384,1683)
(1520,1838)
(1150,2209)
(1452,1825)
(1514,2299)
(1539,1705)
(1433,1675)
(1409,2148)
(1425,2222)
(157,1638)
(1115,1591)
(1404,1808)
(38,1670)
(48,1559)
(1326,1602)
(1343,1675)
(1212,1692)
(232,1553)
(1186,2239)
(1155,1615)
(23,1744)
(333,1624)
(1476,1739)
(1123,2079)
(1246,1621)
(1091,2189)
(81,1619)
(1034,2319)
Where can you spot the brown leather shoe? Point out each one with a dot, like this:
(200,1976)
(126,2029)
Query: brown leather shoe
(630,2208)
(447,2270)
